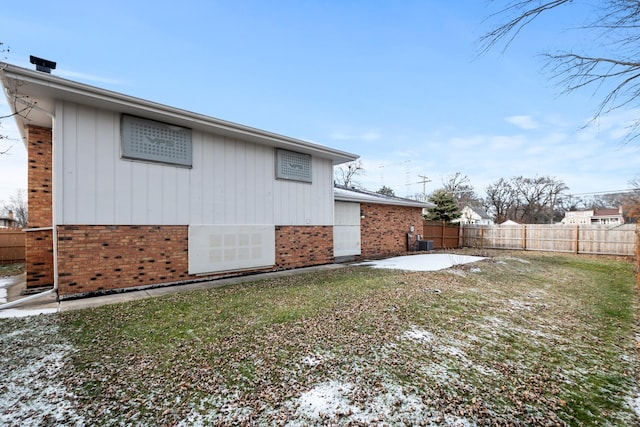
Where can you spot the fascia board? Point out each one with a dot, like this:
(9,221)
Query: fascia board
(63,89)
(380,201)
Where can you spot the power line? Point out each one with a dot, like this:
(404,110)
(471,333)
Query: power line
(595,193)
(424,181)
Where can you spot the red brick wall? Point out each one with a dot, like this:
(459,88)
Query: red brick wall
(384,229)
(40,158)
(39,244)
(101,258)
(39,258)
(303,246)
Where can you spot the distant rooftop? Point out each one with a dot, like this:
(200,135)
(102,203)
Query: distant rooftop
(352,194)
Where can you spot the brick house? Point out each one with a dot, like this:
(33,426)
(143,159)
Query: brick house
(127,193)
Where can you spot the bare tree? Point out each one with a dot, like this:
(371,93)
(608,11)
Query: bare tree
(631,202)
(18,205)
(346,173)
(4,49)
(611,63)
(460,187)
(530,200)
(539,198)
(501,199)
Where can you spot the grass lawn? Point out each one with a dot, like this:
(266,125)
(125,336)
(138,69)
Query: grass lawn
(520,338)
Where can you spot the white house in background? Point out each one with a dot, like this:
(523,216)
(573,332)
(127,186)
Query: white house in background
(8,221)
(474,215)
(509,222)
(594,216)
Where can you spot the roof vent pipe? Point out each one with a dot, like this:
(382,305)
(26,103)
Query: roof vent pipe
(43,65)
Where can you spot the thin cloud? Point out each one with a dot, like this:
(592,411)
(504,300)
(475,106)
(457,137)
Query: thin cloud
(370,136)
(523,122)
(88,77)
(365,136)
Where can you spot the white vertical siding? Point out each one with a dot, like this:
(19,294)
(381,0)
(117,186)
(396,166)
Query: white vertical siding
(231,181)
(106,153)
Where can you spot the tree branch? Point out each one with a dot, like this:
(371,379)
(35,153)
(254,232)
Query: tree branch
(514,26)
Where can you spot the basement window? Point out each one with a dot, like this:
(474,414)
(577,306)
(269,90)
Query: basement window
(154,141)
(293,166)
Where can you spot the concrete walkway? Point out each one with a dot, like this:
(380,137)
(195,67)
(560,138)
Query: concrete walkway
(16,285)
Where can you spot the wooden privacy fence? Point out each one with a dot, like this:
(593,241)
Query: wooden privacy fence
(12,246)
(443,235)
(582,239)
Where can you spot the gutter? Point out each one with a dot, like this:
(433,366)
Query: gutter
(53,228)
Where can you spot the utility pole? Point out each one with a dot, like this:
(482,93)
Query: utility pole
(424,186)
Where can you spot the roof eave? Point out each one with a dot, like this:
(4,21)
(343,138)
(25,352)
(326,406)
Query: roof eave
(382,201)
(57,88)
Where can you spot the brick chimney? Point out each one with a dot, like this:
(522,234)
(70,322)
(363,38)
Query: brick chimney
(10,215)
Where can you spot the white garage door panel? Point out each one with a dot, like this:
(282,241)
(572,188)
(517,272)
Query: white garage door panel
(346,229)
(216,248)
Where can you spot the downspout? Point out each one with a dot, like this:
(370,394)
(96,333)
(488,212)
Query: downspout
(53,228)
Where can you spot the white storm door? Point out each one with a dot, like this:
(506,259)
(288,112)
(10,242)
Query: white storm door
(346,229)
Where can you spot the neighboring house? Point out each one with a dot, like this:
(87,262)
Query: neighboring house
(594,216)
(473,215)
(510,222)
(128,193)
(373,225)
(8,221)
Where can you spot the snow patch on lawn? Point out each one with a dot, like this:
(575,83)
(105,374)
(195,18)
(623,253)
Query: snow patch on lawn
(634,404)
(8,313)
(336,402)
(316,359)
(425,262)
(417,334)
(31,393)
(325,400)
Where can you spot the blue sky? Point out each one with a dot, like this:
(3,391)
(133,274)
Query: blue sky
(397,82)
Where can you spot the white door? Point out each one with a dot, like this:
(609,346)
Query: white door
(346,229)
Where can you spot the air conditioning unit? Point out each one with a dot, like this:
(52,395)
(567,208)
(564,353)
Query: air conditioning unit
(425,245)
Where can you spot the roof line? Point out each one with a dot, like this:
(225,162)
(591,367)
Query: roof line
(108,96)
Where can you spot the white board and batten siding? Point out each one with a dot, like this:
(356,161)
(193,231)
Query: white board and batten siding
(231,182)
(346,229)
(230,197)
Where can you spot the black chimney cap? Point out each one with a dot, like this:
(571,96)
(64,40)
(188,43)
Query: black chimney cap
(43,65)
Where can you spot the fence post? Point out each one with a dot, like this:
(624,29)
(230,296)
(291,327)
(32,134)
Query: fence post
(524,237)
(442,233)
(638,256)
(577,240)
(481,237)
